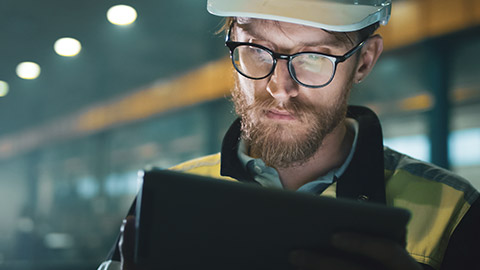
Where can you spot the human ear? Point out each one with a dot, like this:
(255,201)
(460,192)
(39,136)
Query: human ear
(368,57)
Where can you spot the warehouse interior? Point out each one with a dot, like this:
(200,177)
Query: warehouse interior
(155,92)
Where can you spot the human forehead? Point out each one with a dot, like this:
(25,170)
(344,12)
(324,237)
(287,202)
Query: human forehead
(272,31)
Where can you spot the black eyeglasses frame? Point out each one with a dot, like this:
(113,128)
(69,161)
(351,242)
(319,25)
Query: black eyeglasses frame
(335,59)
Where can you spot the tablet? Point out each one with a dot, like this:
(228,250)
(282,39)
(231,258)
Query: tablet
(187,221)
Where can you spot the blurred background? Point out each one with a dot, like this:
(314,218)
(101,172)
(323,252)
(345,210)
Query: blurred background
(148,86)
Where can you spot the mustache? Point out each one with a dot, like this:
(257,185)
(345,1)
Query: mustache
(293,106)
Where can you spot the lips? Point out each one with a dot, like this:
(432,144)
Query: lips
(279,114)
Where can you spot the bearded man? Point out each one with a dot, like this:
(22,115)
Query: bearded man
(296,62)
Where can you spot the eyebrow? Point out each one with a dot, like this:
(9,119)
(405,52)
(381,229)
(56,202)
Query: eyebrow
(328,42)
(331,41)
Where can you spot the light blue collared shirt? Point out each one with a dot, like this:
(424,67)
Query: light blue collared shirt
(268,176)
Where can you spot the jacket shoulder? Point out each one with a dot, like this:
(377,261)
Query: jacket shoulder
(437,199)
(205,166)
(402,167)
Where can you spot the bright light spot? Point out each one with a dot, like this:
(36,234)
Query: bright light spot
(28,70)
(463,147)
(121,15)
(3,88)
(416,146)
(67,47)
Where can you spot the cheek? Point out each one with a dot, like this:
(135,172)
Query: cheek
(342,81)
(339,79)
(253,90)
(245,87)
(324,97)
(344,73)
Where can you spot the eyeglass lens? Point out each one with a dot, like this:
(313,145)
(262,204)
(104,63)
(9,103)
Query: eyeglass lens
(253,61)
(308,68)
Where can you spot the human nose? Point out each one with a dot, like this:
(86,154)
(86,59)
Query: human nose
(281,85)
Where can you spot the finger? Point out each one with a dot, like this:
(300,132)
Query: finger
(126,243)
(382,250)
(311,260)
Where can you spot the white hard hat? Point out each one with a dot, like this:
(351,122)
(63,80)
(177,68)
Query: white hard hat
(333,15)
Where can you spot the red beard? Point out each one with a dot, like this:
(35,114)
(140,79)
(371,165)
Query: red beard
(283,144)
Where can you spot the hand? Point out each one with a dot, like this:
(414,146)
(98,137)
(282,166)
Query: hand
(126,243)
(379,250)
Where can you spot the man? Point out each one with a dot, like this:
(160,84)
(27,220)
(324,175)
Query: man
(296,62)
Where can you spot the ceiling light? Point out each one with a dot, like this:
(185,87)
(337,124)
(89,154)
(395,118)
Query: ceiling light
(121,15)
(3,88)
(28,70)
(67,47)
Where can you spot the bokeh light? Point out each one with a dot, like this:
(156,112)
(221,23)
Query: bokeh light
(121,15)
(3,88)
(28,70)
(67,47)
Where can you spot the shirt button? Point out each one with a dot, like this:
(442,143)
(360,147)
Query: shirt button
(257,169)
(363,198)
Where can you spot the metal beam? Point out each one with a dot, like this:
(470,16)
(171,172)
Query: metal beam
(439,82)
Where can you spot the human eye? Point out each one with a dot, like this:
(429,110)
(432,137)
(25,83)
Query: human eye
(310,61)
(312,58)
(260,54)
(258,51)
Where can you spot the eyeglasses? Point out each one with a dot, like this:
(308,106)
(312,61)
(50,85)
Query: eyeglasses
(310,69)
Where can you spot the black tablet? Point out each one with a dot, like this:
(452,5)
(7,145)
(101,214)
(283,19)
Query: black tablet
(187,221)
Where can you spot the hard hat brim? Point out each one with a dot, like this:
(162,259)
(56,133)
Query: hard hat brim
(328,15)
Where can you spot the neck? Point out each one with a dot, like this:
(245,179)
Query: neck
(332,154)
